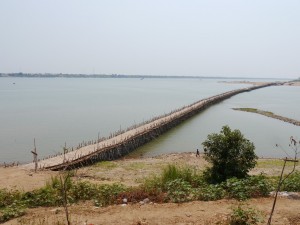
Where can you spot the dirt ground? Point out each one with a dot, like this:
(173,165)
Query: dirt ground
(128,171)
(197,212)
(131,172)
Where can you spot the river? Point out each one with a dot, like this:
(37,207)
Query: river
(59,111)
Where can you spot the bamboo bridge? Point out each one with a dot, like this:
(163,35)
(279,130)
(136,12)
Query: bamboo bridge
(123,142)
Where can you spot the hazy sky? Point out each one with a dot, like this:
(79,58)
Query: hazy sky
(241,38)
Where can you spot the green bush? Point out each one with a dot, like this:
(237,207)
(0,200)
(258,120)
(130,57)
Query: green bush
(209,192)
(12,211)
(83,191)
(292,183)
(107,194)
(230,154)
(244,216)
(250,187)
(51,194)
(8,197)
(179,190)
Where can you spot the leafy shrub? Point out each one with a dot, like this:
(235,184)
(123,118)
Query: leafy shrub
(244,216)
(292,183)
(254,186)
(12,211)
(107,194)
(46,196)
(51,194)
(179,190)
(8,197)
(209,192)
(230,153)
(83,191)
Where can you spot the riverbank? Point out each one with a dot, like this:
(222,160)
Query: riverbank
(131,172)
(127,171)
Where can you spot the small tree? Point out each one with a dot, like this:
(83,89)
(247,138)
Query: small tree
(230,153)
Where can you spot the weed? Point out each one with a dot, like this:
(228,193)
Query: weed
(107,194)
(244,216)
(242,189)
(8,197)
(209,192)
(179,190)
(292,183)
(12,211)
(172,172)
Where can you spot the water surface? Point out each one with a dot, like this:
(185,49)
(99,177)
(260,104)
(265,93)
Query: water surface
(66,110)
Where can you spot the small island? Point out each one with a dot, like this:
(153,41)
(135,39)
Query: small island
(269,114)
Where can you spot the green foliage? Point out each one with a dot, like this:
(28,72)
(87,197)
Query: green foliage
(244,216)
(8,197)
(181,184)
(251,187)
(107,194)
(151,183)
(179,190)
(173,172)
(12,211)
(83,191)
(292,183)
(230,153)
(209,192)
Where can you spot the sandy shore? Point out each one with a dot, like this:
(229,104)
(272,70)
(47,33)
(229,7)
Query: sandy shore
(128,171)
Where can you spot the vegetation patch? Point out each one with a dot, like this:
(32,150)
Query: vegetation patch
(269,114)
(174,184)
(136,166)
(106,164)
(271,163)
(242,215)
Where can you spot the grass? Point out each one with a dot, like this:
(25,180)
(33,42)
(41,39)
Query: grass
(271,163)
(246,109)
(253,110)
(106,165)
(136,166)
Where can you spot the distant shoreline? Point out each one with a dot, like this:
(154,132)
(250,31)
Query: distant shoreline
(288,83)
(61,75)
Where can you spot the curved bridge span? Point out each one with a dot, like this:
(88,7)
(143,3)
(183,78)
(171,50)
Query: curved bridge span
(125,142)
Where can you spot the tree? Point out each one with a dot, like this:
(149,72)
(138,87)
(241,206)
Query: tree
(230,154)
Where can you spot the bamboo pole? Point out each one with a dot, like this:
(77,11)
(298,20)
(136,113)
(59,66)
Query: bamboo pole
(35,156)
